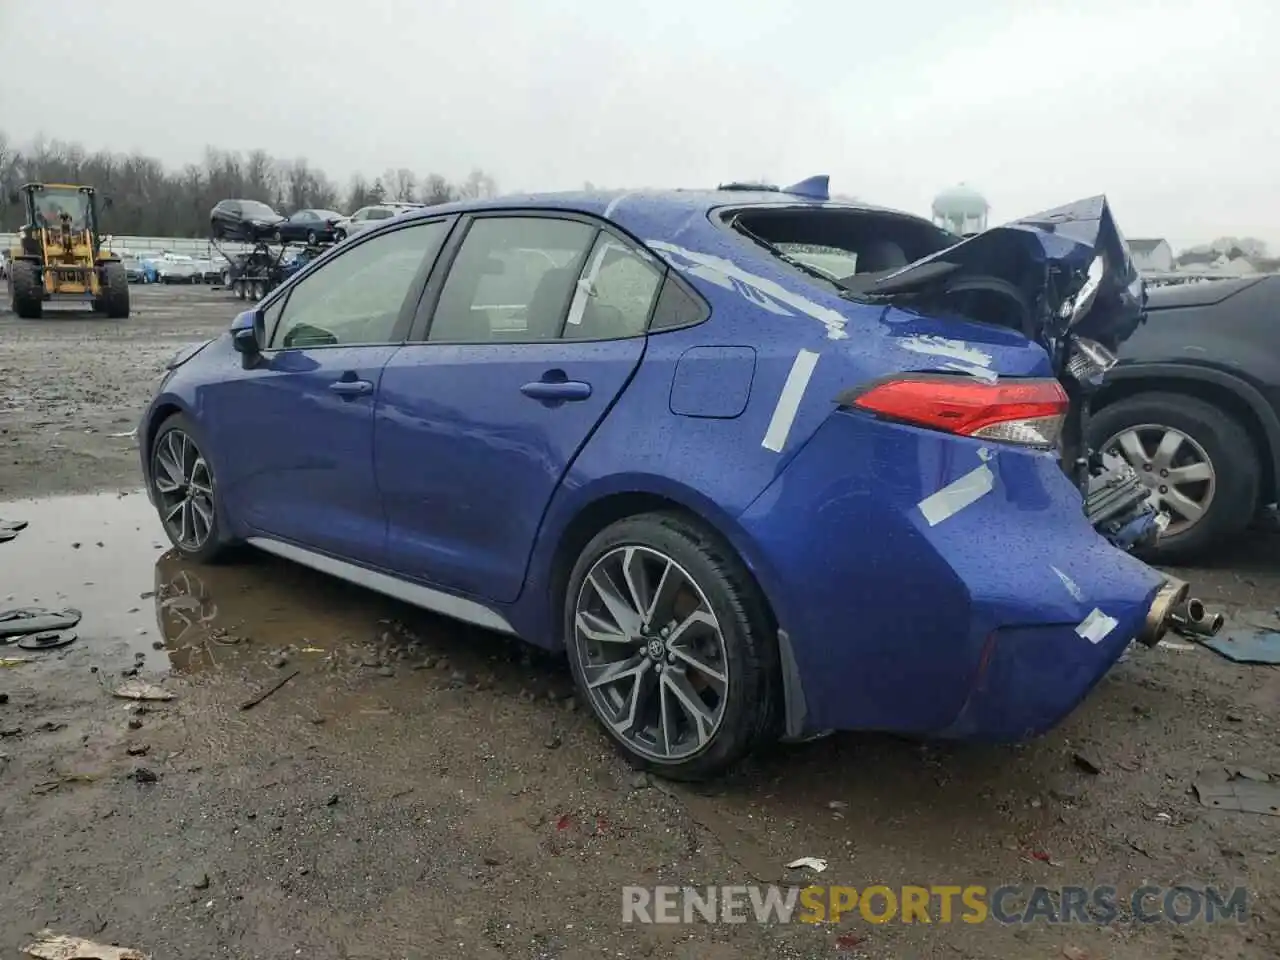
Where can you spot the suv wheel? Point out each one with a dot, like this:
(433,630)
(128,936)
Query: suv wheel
(1199,462)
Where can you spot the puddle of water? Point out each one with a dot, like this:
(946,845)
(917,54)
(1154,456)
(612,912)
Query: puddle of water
(94,553)
(106,555)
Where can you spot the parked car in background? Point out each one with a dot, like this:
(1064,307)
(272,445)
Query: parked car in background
(308,226)
(366,217)
(1194,406)
(177,268)
(248,221)
(133,268)
(218,268)
(746,498)
(210,268)
(149,261)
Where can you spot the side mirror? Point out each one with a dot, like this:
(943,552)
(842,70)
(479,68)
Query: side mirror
(248,333)
(15,197)
(106,203)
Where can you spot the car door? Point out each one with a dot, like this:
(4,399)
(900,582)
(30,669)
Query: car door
(517,356)
(300,420)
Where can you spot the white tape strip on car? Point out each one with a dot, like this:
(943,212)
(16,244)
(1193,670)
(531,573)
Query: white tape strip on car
(784,414)
(959,493)
(1096,626)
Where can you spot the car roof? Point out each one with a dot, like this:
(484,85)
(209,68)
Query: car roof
(667,209)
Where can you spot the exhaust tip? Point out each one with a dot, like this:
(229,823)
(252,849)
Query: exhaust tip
(1171,595)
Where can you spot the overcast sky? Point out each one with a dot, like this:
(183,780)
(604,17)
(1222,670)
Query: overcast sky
(1168,107)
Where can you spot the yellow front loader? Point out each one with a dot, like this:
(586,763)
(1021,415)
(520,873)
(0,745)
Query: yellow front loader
(60,257)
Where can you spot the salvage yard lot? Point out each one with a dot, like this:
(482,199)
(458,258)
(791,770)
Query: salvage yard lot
(421,788)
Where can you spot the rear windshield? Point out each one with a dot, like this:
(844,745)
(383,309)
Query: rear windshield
(845,246)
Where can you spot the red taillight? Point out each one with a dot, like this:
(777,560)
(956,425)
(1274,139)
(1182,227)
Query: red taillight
(1029,412)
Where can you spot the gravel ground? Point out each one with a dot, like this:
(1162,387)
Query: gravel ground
(420,788)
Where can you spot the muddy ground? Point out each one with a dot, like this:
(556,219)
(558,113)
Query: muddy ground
(419,790)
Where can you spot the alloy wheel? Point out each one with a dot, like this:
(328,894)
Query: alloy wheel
(184,490)
(1174,467)
(652,653)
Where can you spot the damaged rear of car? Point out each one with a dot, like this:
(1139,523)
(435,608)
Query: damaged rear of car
(963,567)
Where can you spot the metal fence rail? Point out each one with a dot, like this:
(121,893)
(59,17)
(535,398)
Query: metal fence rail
(190,246)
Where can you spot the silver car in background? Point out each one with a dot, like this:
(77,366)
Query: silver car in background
(177,268)
(366,217)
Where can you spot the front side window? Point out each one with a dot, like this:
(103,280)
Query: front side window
(615,294)
(356,297)
(512,280)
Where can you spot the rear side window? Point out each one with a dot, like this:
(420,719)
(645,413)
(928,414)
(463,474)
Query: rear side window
(512,280)
(615,294)
(677,307)
(381,214)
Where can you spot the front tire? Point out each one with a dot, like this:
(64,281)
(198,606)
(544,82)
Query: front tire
(185,490)
(25,290)
(671,645)
(115,290)
(1201,465)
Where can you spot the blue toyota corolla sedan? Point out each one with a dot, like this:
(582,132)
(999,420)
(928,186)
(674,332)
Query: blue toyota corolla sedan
(691,439)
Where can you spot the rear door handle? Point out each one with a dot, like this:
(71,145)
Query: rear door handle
(351,388)
(557,390)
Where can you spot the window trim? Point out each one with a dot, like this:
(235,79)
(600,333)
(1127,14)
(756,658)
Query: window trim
(408,307)
(422,322)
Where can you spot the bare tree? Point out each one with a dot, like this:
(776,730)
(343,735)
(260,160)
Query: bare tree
(436,189)
(148,200)
(401,184)
(478,186)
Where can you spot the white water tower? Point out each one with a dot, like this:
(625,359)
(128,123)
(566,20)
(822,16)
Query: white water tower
(961,209)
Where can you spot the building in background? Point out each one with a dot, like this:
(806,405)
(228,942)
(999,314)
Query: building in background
(961,209)
(1152,255)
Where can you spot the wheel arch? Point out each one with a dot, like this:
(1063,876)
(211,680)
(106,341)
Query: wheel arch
(164,408)
(595,508)
(1227,392)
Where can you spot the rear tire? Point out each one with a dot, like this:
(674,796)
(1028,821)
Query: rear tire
(1229,501)
(25,290)
(115,290)
(717,616)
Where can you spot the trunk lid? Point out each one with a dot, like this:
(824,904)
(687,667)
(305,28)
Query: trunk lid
(1070,267)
